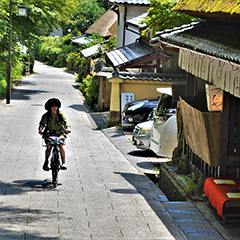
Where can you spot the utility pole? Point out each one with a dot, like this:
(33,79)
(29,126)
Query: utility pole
(9,67)
(22,11)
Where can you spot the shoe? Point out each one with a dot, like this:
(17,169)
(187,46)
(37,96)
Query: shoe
(64,167)
(45,166)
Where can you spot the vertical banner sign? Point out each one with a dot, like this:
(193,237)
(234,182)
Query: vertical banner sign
(125,98)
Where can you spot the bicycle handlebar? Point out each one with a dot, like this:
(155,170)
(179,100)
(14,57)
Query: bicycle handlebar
(54,133)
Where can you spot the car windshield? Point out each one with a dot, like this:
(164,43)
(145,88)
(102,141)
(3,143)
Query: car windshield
(135,106)
(165,103)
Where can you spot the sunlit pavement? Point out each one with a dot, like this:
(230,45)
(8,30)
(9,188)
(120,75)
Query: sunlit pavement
(102,195)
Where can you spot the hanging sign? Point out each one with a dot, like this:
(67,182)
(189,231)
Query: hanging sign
(214,98)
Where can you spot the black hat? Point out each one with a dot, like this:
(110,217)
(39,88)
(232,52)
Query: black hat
(52,102)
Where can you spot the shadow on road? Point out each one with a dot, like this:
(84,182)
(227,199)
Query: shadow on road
(140,153)
(146,165)
(24,94)
(25,82)
(13,189)
(78,107)
(11,216)
(8,234)
(34,184)
(19,187)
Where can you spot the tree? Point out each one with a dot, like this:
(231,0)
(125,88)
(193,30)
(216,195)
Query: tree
(43,17)
(161,16)
(87,12)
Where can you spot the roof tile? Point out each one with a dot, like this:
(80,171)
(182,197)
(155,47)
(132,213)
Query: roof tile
(158,77)
(218,39)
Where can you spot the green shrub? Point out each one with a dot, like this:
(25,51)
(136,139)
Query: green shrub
(17,68)
(81,70)
(3,87)
(52,51)
(75,59)
(89,88)
(57,63)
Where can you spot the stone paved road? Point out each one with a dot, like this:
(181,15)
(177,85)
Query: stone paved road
(97,198)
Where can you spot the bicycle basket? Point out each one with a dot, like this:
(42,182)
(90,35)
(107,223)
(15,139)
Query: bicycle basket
(53,140)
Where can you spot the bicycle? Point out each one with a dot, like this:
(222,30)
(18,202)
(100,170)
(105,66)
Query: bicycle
(52,138)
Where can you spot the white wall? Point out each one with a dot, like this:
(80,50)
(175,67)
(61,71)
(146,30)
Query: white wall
(120,27)
(132,11)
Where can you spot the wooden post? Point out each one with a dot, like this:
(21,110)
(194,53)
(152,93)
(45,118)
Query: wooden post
(224,135)
(114,114)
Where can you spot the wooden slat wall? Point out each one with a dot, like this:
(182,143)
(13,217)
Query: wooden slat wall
(203,167)
(202,132)
(231,159)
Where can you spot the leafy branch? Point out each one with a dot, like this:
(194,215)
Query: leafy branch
(161,16)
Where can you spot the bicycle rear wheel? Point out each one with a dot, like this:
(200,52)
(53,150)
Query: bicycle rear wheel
(54,177)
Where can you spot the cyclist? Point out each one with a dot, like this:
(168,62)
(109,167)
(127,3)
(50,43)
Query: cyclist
(54,120)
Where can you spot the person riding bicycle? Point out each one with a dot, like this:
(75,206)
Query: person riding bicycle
(54,120)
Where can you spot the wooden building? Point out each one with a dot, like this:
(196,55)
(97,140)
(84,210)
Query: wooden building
(146,69)
(209,51)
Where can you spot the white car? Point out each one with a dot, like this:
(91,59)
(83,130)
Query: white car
(163,137)
(141,134)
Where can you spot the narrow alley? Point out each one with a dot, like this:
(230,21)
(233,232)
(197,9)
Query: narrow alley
(102,195)
(86,204)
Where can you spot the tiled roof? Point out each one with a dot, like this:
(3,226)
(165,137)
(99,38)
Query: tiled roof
(89,52)
(130,2)
(158,77)
(81,39)
(136,21)
(128,53)
(219,39)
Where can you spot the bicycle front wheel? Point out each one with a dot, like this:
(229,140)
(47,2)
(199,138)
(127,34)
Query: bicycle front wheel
(54,166)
